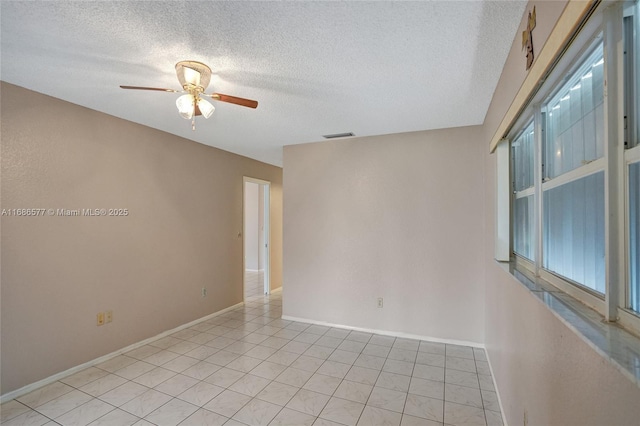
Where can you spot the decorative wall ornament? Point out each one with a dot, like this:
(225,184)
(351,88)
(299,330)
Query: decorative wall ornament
(527,37)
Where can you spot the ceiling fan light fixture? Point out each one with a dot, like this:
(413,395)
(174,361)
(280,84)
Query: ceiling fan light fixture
(205,108)
(186,106)
(193,75)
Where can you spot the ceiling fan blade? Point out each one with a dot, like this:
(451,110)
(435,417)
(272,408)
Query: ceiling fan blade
(150,88)
(234,100)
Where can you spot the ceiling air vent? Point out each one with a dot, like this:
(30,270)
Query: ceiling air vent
(338,135)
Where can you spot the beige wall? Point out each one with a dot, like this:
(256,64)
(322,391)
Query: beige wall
(388,216)
(185,211)
(540,366)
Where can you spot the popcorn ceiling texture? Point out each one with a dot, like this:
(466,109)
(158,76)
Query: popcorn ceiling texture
(315,67)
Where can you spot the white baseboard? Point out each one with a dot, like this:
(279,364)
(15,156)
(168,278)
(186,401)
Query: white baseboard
(386,332)
(33,386)
(495,385)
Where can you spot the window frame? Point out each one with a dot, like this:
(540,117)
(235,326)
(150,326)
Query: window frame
(607,23)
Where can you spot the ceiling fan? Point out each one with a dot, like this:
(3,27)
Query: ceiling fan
(194,78)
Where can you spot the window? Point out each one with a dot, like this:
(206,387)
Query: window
(631,72)
(523,172)
(573,192)
(568,159)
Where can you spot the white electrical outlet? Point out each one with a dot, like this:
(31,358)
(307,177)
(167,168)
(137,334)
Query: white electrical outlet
(204,292)
(380,302)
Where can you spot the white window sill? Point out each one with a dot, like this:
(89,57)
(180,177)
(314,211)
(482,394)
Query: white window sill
(612,342)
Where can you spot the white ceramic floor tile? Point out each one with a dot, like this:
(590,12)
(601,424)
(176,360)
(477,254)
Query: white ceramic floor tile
(359,336)
(294,377)
(257,413)
(222,358)
(403,354)
(353,391)
(103,385)
(462,364)
(261,352)
(462,378)
(408,344)
(277,393)
(397,382)
(201,393)
(115,417)
(493,418)
(268,370)
(463,395)
(83,377)
(176,385)
(134,370)
(181,363)
(490,400)
(249,385)
(296,347)
(368,376)
(323,384)
(116,363)
(227,403)
(382,340)
(142,352)
(408,420)
(428,372)
(342,411)
(317,351)
(429,388)
(201,370)
(244,363)
(463,415)
(344,357)
(154,377)
(146,403)
(330,342)
(85,414)
(224,377)
(387,399)
(398,367)
(124,393)
(425,407)
(63,404)
(430,359)
(161,357)
(432,347)
(12,409)
(376,350)
(372,416)
(204,417)
(250,367)
(306,337)
(171,413)
(308,402)
(30,418)
(459,351)
(307,363)
(324,422)
(44,394)
(283,358)
(287,417)
(334,369)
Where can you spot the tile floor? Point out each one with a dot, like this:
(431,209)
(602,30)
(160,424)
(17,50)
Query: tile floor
(249,367)
(253,283)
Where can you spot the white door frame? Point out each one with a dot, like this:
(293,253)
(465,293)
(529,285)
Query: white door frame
(265,185)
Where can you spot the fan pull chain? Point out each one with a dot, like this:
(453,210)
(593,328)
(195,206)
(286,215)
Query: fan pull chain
(193,117)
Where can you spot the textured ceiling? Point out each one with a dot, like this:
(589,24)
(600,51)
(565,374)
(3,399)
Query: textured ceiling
(316,67)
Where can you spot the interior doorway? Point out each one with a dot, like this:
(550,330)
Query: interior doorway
(256,282)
